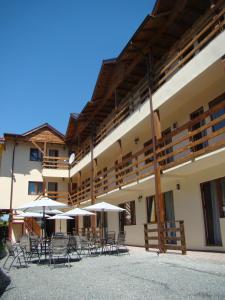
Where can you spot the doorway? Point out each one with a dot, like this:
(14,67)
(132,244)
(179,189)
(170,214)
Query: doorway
(213,200)
(70,226)
(50,227)
(195,114)
(52,190)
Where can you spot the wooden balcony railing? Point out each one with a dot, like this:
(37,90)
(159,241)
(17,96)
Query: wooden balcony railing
(59,196)
(203,32)
(55,162)
(200,136)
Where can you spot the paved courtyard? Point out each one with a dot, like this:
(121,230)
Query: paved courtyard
(142,275)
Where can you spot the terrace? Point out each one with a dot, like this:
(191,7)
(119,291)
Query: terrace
(142,275)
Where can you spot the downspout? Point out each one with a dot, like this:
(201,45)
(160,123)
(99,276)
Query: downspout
(11,190)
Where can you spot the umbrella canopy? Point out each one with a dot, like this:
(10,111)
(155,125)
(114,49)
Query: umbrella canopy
(104,206)
(43,202)
(30,214)
(60,217)
(78,212)
(47,211)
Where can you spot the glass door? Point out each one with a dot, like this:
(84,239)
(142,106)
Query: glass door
(213,199)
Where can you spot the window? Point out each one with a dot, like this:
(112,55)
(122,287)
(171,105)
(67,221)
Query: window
(197,125)
(127,161)
(218,113)
(151,213)
(99,216)
(128,217)
(167,139)
(86,221)
(35,154)
(53,152)
(35,188)
(148,152)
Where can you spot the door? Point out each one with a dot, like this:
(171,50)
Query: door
(70,226)
(53,153)
(169,215)
(166,141)
(50,227)
(52,190)
(195,126)
(122,216)
(213,194)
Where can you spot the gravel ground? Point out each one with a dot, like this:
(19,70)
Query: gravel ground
(142,275)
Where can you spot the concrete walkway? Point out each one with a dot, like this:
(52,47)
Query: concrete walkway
(142,275)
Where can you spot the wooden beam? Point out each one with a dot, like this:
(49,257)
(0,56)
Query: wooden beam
(37,146)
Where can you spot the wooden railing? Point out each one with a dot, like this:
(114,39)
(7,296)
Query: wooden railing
(207,28)
(55,162)
(59,196)
(32,226)
(202,33)
(172,233)
(183,144)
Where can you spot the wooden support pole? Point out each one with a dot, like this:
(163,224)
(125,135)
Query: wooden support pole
(11,191)
(93,218)
(182,237)
(120,161)
(45,148)
(159,203)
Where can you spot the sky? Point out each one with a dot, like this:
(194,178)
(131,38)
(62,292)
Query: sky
(51,52)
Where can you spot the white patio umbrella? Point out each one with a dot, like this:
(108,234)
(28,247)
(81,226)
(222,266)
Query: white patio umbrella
(78,212)
(60,217)
(48,211)
(46,204)
(104,207)
(30,214)
(43,202)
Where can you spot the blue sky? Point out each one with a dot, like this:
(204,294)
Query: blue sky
(51,52)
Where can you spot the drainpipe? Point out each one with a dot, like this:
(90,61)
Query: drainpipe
(11,190)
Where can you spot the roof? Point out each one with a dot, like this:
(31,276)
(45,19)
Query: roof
(26,135)
(159,31)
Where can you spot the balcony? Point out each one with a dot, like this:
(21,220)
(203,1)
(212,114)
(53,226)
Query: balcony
(189,46)
(191,143)
(54,166)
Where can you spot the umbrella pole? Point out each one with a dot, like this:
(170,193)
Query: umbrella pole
(60,225)
(44,228)
(103,231)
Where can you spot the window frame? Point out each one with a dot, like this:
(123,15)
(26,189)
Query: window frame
(38,187)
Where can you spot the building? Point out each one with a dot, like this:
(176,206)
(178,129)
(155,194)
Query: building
(178,52)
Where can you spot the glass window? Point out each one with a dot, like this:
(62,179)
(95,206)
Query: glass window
(86,221)
(35,154)
(35,188)
(99,216)
(151,214)
(218,113)
(128,217)
(148,152)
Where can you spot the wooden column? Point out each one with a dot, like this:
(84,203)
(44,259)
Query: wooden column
(11,191)
(159,203)
(93,218)
(78,186)
(120,161)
